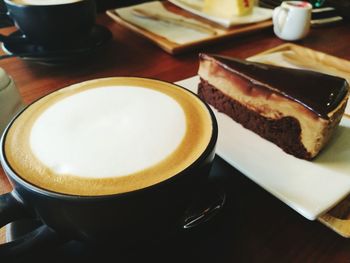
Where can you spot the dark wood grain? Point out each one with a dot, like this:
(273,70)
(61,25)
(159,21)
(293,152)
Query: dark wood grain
(254,226)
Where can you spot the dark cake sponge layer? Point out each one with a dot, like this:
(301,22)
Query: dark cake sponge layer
(284,132)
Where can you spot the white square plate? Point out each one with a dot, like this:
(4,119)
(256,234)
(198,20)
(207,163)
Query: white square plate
(309,187)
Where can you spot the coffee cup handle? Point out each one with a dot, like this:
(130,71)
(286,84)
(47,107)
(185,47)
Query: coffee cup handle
(204,206)
(10,39)
(12,209)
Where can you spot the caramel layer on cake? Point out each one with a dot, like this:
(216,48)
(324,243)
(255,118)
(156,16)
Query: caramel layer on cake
(295,109)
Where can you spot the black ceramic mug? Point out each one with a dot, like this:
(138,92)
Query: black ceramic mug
(56,24)
(121,159)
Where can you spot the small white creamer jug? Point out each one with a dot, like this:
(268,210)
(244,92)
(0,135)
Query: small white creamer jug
(292,19)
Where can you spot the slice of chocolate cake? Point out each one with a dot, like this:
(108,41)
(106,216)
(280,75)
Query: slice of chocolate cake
(295,109)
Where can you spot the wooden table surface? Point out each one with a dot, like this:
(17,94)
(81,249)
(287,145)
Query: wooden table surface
(254,226)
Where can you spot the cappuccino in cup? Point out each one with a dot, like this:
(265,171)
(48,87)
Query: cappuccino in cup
(108,136)
(44,2)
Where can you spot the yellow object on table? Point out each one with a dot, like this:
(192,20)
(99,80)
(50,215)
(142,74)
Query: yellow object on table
(228,8)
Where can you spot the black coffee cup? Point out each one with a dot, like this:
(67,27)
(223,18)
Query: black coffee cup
(182,201)
(53,25)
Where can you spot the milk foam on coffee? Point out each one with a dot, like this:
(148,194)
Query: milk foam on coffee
(123,128)
(44,2)
(108,136)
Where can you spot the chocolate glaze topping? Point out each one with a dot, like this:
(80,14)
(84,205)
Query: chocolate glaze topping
(318,92)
